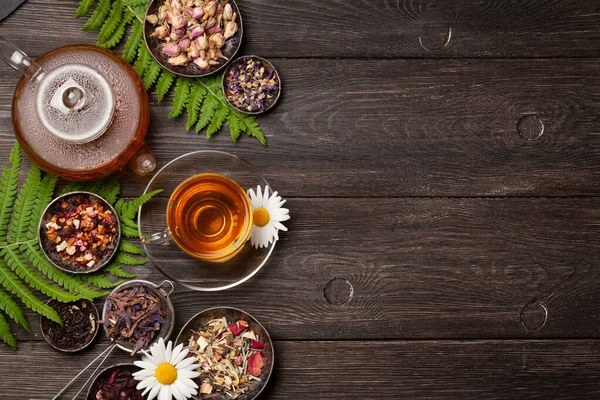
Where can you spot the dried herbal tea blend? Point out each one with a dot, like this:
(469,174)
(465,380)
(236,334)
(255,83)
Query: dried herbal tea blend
(136,315)
(79,232)
(79,325)
(194,30)
(251,84)
(120,385)
(230,357)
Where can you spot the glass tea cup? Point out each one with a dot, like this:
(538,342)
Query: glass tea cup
(209,217)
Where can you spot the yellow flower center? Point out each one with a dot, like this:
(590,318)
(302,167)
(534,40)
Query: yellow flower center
(166,373)
(261,217)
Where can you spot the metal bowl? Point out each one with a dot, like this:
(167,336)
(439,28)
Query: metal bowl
(163,294)
(230,48)
(269,67)
(45,324)
(105,374)
(234,314)
(46,244)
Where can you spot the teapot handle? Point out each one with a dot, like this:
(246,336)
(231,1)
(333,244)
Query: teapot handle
(18,59)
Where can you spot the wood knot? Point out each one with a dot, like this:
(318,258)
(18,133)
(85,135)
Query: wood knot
(338,292)
(530,127)
(445,42)
(534,316)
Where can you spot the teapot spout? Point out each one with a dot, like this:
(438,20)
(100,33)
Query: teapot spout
(143,161)
(17,59)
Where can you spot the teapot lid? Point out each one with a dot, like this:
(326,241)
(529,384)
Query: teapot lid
(75,103)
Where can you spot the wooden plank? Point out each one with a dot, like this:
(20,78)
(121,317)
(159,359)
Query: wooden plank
(525,369)
(422,268)
(358,128)
(316,28)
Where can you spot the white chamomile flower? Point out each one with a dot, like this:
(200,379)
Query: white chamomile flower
(167,373)
(267,216)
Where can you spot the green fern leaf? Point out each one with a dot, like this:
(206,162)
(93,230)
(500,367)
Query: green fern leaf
(143,61)
(8,190)
(111,23)
(128,247)
(128,222)
(130,208)
(152,74)
(128,259)
(164,84)
(17,263)
(84,8)
(100,280)
(12,309)
(182,92)
(43,198)
(5,334)
(235,126)
(12,283)
(73,187)
(252,129)
(207,111)
(23,206)
(129,232)
(118,34)
(217,122)
(130,51)
(197,93)
(116,270)
(119,206)
(136,3)
(68,281)
(109,191)
(98,16)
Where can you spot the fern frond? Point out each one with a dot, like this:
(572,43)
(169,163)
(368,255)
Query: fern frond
(129,232)
(128,259)
(164,84)
(111,23)
(12,283)
(5,334)
(17,263)
(98,16)
(118,271)
(130,208)
(12,309)
(74,187)
(182,93)
(235,126)
(100,280)
(84,8)
(116,37)
(130,51)
(43,198)
(219,117)
(69,281)
(197,93)
(109,191)
(135,3)
(252,129)
(207,111)
(152,74)
(128,247)
(128,222)
(8,190)
(23,206)
(143,61)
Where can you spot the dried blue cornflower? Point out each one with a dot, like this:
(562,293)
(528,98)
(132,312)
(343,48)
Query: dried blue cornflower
(251,84)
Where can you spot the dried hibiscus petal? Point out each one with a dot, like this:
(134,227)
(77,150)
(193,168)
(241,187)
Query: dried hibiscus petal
(257,345)
(255,364)
(237,328)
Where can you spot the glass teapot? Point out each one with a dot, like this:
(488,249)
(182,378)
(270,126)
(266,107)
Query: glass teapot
(80,112)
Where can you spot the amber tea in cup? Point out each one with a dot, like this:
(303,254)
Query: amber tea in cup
(209,217)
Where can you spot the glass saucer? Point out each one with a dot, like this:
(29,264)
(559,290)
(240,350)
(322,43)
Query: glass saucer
(173,262)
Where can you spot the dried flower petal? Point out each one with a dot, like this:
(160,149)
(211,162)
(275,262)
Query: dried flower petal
(255,364)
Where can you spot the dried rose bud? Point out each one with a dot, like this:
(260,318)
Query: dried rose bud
(161,32)
(227,11)
(179,22)
(181,59)
(217,39)
(210,9)
(184,44)
(210,23)
(194,53)
(152,18)
(213,30)
(176,4)
(196,32)
(230,29)
(202,42)
(202,63)
(198,13)
(172,50)
(162,13)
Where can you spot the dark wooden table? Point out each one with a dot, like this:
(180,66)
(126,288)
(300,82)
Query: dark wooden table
(441,161)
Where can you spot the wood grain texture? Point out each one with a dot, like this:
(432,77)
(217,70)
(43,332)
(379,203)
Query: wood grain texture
(409,128)
(492,370)
(375,28)
(422,268)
